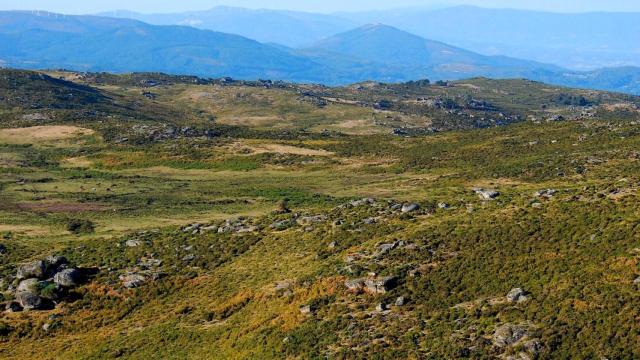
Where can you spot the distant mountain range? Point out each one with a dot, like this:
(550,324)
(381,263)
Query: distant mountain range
(91,43)
(371,52)
(289,28)
(576,41)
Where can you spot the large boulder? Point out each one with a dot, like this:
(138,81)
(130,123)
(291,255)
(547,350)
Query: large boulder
(55,261)
(29,286)
(380,285)
(35,269)
(67,278)
(30,301)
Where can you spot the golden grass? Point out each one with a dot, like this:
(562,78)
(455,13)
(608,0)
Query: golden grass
(35,134)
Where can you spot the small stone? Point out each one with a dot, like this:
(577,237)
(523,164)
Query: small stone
(385,248)
(400,301)
(131,281)
(133,243)
(407,208)
(13,306)
(306,309)
(443,206)
(486,194)
(189,257)
(355,285)
(381,307)
(517,295)
(332,245)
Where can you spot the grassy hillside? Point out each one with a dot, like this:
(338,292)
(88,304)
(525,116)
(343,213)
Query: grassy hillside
(177,220)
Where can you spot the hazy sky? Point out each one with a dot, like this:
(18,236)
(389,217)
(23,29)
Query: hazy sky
(326,6)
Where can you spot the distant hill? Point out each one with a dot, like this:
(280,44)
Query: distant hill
(582,41)
(289,28)
(372,52)
(416,57)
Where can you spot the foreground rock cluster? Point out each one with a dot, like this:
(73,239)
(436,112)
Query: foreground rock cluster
(42,284)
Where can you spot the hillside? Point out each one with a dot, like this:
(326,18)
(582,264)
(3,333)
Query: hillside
(418,58)
(103,44)
(255,220)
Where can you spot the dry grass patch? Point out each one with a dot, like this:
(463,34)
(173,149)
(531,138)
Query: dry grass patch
(34,134)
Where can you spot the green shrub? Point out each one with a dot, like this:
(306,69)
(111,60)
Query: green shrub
(80,226)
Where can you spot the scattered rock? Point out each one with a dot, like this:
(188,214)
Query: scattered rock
(306,309)
(332,245)
(193,228)
(189,257)
(362,202)
(308,220)
(131,281)
(133,243)
(67,278)
(517,295)
(355,285)
(401,301)
(369,221)
(509,334)
(282,225)
(486,194)
(407,208)
(380,285)
(443,206)
(381,307)
(548,193)
(385,248)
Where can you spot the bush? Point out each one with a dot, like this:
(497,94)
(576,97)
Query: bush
(80,226)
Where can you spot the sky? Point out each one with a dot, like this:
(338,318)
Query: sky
(323,6)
